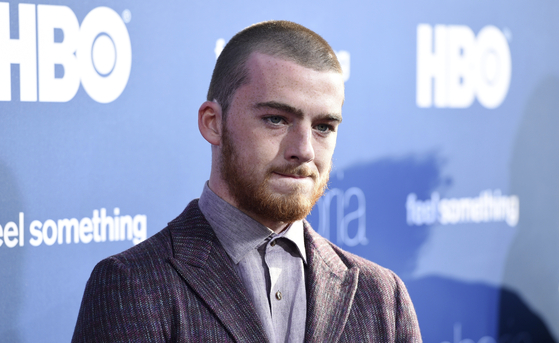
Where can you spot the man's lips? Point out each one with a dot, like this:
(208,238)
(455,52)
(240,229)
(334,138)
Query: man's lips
(291,175)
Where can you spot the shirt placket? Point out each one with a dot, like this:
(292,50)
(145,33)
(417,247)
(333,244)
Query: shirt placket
(278,292)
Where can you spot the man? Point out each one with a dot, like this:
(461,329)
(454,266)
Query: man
(241,264)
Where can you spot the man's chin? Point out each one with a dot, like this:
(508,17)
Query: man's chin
(288,206)
(295,197)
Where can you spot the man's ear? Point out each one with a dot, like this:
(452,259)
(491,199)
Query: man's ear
(209,122)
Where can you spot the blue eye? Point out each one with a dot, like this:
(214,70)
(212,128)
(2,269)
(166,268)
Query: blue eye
(275,119)
(323,127)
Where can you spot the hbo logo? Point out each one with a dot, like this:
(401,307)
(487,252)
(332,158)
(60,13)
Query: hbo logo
(462,66)
(98,53)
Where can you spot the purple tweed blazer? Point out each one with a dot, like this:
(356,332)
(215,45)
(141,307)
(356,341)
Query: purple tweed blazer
(181,286)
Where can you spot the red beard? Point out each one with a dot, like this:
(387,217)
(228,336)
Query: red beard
(256,197)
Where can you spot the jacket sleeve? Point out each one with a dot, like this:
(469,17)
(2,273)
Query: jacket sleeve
(407,326)
(114,308)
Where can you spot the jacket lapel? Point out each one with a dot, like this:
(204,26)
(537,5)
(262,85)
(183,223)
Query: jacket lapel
(203,263)
(331,287)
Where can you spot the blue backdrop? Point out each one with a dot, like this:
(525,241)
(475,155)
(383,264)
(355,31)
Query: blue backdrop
(445,170)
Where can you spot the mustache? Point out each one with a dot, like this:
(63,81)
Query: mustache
(301,171)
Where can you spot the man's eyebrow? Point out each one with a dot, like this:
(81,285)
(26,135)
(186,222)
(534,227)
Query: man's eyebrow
(333,117)
(297,112)
(280,106)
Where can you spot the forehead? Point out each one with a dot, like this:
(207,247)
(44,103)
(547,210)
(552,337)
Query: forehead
(276,79)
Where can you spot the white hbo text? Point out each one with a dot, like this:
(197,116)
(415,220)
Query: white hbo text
(98,53)
(454,66)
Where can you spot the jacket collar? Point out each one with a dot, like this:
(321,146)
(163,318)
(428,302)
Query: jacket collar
(331,287)
(203,263)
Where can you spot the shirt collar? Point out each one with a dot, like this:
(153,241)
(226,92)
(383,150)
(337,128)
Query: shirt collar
(295,234)
(238,233)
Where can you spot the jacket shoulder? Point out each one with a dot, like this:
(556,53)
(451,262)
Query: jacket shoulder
(368,271)
(156,247)
(119,294)
(126,294)
(159,247)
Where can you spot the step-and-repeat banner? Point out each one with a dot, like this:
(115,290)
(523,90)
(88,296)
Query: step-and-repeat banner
(446,169)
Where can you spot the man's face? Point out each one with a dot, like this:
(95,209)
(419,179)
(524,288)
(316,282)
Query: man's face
(279,137)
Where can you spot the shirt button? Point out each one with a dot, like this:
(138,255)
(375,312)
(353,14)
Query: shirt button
(273,243)
(278,295)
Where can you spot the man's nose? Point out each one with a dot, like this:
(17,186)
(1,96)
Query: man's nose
(299,145)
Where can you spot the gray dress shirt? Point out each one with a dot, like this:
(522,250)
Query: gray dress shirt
(270,265)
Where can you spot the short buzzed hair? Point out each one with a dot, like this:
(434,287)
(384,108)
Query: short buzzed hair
(277,38)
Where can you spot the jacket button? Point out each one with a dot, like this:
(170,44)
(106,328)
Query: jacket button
(273,243)
(278,295)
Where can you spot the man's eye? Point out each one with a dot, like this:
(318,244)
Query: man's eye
(275,119)
(323,127)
